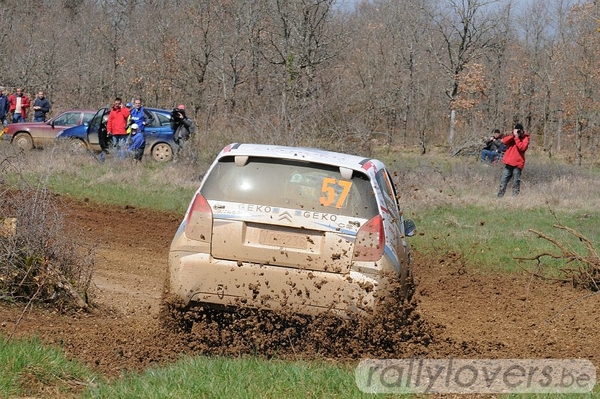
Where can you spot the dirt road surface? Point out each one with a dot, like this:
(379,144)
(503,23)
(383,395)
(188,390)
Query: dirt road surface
(459,311)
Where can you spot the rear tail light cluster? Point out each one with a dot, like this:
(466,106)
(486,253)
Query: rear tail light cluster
(198,224)
(370,240)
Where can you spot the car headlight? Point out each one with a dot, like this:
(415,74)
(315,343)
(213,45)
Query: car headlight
(59,133)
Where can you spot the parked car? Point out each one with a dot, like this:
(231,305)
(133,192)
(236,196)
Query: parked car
(158,134)
(300,229)
(38,134)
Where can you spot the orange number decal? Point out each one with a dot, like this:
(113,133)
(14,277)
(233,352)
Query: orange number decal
(345,190)
(329,194)
(328,191)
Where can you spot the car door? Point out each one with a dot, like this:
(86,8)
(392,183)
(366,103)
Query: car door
(96,130)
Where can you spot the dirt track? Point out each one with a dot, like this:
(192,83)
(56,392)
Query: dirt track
(459,312)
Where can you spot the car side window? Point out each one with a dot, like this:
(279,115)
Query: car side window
(149,122)
(388,190)
(163,120)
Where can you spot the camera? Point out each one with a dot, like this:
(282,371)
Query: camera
(176,113)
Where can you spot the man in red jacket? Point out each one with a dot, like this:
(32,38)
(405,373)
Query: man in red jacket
(19,103)
(116,126)
(514,159)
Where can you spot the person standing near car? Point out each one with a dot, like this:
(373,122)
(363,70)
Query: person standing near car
(514,159)
(41,107)
(4,107)
(183,128)
(137,115)
(116,126)
(19,103)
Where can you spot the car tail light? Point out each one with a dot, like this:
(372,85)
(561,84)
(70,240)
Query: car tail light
(370,240)
(198,224)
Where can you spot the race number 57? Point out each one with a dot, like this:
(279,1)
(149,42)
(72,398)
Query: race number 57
(329,194)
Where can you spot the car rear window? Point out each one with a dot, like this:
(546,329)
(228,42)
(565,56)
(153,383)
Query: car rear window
(291,184)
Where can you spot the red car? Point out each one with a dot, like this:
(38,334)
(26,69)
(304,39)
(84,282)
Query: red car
(37,134)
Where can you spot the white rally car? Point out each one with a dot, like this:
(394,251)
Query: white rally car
(298,229)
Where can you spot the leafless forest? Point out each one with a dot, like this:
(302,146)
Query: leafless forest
(406,73)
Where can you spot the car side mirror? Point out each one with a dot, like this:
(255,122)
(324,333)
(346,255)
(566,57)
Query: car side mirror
(409,228)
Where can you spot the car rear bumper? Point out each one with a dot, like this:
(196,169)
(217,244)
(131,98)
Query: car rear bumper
(199,278)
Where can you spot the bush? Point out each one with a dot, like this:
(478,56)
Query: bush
(40,260)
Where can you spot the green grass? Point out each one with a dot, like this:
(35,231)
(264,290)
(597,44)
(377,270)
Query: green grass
(210,377)
(29,368)
(494,239)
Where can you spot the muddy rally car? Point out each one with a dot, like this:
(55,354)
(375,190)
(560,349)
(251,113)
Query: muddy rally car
(298,230)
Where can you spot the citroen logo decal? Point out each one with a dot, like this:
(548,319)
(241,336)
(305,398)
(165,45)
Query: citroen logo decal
(285,215)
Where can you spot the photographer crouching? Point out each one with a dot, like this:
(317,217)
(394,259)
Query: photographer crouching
(183,128)
(514,159)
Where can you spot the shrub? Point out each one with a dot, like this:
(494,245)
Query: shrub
(40,260)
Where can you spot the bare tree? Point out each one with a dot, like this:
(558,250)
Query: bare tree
(467,29)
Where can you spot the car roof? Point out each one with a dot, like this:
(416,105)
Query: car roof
(306,154)
(152,109)
(57,114)
(164,111)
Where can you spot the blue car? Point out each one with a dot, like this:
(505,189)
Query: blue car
(92,136)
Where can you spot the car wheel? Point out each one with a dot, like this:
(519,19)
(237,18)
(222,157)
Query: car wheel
(23,141)
(162,152)
(78,146)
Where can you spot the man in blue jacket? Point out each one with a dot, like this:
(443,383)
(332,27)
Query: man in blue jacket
(137,144)
(137,116)
(3,107)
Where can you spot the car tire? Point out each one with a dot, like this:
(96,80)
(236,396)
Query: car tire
(162,152)
(78,146)
(23,141)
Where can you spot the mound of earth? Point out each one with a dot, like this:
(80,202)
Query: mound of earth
(457,311)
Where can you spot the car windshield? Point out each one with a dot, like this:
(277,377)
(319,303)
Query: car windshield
(291,184)
(68,119)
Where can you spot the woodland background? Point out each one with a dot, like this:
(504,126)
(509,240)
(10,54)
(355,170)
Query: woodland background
(405,73)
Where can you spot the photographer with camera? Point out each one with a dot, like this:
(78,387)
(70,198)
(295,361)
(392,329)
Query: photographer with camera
(514,159)
(493,148)
(183,128)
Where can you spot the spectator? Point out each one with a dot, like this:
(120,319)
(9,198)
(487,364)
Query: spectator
(4,107)
(19,103)
(514,159)
(183,128)
(137,115)
(41,107)
(138,143)
(116,126)
(494,147)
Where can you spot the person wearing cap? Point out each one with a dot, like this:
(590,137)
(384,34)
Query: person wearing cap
(4,106)
(137,144)
(493,147)
(183,128)
(514,159)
